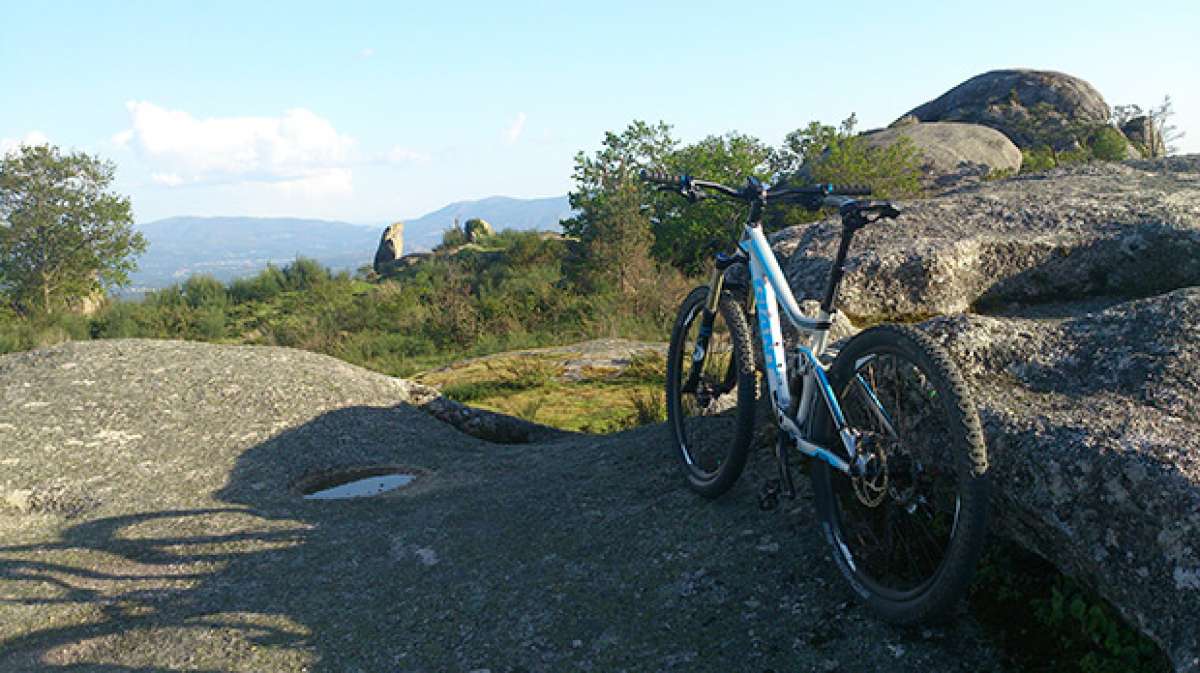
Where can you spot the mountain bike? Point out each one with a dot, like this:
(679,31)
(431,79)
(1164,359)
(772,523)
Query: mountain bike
(898,464)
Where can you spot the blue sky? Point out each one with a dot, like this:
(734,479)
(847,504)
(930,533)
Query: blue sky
(370,112)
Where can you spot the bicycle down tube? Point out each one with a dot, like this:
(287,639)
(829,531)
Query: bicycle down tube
(770,290)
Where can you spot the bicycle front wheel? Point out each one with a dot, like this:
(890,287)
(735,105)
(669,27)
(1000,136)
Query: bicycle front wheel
(711,392)
(908,533)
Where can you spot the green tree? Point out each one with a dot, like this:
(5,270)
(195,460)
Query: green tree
(609,221)
(684,234)
(63,234)
(819,153)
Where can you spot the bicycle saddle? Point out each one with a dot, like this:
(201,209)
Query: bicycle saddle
(869,211)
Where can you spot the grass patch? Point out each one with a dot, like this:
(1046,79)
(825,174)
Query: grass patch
(533,386)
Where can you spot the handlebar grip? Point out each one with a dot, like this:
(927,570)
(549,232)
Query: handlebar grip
(658,177)
(850,190)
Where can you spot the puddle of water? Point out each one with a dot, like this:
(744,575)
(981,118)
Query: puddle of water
(362,488)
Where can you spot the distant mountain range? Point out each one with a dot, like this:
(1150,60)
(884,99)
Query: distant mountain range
(229,247)
(501,212)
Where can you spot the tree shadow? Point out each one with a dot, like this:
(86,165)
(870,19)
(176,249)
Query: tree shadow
(260,580)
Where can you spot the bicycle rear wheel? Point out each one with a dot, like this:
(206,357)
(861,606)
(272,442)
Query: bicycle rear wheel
(711,392)
(908,534)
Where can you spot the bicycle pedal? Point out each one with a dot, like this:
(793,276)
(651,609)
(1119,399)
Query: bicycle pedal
(769,498)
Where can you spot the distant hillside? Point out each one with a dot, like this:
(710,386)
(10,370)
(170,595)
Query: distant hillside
(424,232)
(229,247)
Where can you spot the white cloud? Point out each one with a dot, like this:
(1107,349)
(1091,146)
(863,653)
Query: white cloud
(298,150)
(404,155)
(168,179)
(366,53)
(516,128)
(29,139)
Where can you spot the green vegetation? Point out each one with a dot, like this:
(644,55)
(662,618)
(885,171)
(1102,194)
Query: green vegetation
(535,386)
(63,235)
(1059,142)
(509,292)
(822,153)
(1069,628)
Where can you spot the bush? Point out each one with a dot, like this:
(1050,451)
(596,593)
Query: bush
(452,238)
(204,290)
(1109,145)
(265,286)
(304,274)
(208,323)
(119,321)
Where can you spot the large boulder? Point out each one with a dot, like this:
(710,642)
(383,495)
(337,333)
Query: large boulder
(1086,231)
(1141,132)
(1093,429)
(1085,372)
(391,248)
(1003,99)
(953,153)
(476,229)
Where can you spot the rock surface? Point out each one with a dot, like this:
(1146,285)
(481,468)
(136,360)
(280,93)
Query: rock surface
(955,154)
(1141,132)
(1087,372)
(1002,99)
(1124,230)
(1093,428)
(391,248)
(162,531)
(476,229)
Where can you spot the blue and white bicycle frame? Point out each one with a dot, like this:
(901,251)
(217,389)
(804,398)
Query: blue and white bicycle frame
(771,290)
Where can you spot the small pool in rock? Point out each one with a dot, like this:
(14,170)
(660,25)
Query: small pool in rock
(356,483)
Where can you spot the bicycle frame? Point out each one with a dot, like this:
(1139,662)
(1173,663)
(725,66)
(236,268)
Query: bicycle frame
(770,291)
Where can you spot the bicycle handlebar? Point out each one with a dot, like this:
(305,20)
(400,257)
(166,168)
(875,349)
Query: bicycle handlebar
(689,186)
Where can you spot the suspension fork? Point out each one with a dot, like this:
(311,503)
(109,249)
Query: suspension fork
(716,283)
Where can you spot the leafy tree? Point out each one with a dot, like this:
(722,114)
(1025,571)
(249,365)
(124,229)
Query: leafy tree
(684,234)
(453,237)
(612,228)
(204,290)
(63,234)
(820,153)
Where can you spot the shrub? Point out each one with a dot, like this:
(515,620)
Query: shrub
(119,321)
(208,323)
(304,274)
(204,290)
(1109,145)
(452,238)
(266,285)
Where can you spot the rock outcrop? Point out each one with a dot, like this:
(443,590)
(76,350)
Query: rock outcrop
(1141,132)
(1086,370)
(1003,99)
(1071,233)
(1093,427)
(391,248)
(954,154)
(150,521)
(476,229)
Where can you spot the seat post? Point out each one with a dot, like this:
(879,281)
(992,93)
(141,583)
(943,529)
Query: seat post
(852,221)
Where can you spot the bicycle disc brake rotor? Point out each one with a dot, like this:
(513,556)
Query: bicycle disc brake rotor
(872,487)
